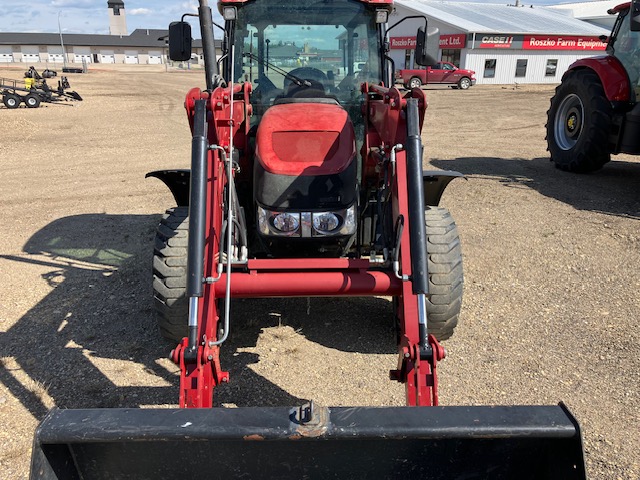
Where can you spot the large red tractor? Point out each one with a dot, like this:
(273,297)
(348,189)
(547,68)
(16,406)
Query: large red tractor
(306,179)
(595,110)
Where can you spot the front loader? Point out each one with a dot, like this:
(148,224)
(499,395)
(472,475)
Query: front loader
(306,179)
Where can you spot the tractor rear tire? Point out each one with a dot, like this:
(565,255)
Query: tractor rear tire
(170,273)
(11,100)
(578,123)
(32,100)
(446,280)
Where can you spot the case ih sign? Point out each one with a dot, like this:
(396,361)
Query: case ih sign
(539,42)
(454,41)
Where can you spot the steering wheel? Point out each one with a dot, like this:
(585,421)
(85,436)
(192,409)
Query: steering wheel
(306,73)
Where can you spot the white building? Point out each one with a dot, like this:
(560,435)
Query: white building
(503,44)
(593,12)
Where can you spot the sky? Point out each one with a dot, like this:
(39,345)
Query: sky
(91,16)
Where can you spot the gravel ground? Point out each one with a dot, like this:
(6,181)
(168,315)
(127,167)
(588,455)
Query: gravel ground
(551,269)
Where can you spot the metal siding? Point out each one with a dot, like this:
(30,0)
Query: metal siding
(506,65)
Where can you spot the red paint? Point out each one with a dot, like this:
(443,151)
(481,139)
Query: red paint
(453,41)
(612,75)
(305,139)
(402,43)
(556,42)
(307,284)
(284,145)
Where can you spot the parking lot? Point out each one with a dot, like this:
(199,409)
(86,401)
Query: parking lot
(550,309)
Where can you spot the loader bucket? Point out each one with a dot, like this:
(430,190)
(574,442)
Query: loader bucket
(521,442)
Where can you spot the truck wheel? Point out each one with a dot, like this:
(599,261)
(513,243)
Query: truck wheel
(415,82)
(464,83)
(578,123)
(446,280)
(32,100)
(170,273)
(11,100)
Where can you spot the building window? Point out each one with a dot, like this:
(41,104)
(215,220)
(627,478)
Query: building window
(451,56)
(552,67)
(116,10)
(490,68)
(521,67)
(407,59)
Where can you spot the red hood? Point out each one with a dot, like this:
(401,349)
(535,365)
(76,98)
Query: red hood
(305,139)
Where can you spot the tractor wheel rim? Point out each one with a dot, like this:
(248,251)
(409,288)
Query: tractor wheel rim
(569,122)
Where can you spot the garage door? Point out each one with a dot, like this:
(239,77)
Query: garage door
(155,57)
(5,54)
(56,58)
(55,54)
(30,54)
(107,56)
(30,58)
(81,54)
(131,57)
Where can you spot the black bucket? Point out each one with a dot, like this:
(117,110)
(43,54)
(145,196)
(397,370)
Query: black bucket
(517,442)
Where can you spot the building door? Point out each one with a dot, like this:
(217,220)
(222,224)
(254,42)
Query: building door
(131,57)
(30,54)
(107,56)
(155,57)
(5,54)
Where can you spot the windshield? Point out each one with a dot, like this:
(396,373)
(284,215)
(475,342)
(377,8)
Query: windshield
(626,48)
(279,42)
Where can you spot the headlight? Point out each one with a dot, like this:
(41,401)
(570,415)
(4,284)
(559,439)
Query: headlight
(278,223)
(325,222)
(307,224)
(286,222)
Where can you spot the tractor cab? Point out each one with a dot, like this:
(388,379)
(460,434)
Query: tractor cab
(624,44)
(305,51)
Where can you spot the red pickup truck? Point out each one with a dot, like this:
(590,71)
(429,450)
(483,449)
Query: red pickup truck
(441,73)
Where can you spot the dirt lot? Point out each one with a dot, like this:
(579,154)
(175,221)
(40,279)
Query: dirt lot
(551,262)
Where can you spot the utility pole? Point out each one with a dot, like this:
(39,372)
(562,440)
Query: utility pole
(64,53)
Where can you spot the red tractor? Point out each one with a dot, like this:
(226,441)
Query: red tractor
(595,110)
(306,180)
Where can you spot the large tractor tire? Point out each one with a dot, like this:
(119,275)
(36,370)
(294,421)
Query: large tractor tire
(445,273)
(578,123)
(170,273)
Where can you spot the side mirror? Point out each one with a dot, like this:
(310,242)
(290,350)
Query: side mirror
(634,15)
(179,41)
(422,57)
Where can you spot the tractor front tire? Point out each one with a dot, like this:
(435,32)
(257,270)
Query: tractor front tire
(446,280)
(170,273)
(578,123)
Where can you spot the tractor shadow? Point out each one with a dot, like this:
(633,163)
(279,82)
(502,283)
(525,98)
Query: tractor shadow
(613,190)
(92,342)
